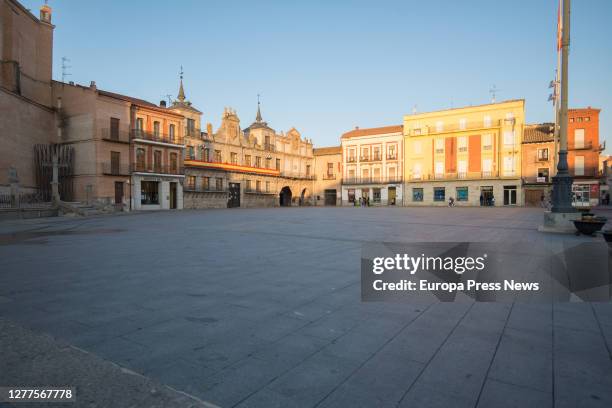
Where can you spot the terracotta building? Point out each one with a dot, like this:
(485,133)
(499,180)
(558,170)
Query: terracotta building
(328,173)
(583,155)
(26,103)
(373,165)
(472,154)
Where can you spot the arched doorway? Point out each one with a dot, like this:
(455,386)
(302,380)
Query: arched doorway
(285,197)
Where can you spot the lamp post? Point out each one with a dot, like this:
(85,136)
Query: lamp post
(562,182)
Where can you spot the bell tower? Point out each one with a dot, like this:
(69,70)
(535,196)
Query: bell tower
(45,13)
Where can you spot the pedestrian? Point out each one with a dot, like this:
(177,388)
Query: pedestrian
(607,198)
(542,197)
(481,199)
(367,201)
(492,200)
(451,202)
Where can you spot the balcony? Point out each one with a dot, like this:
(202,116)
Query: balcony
(194,132)
(376,157)
(115,169)
(115,135)
(297,175)
(269,147)
(455,127)
(472,175)
(587,145)
(372,180)
(137,134)
(536,180)
(351,159)
(364,158)
(138,168)
(391,157)
(327,176)
(190,188)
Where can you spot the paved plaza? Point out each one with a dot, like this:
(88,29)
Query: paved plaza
(261,308)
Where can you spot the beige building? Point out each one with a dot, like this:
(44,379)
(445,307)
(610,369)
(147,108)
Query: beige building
(538,162)
(373,166)
(252,167)
(328,174)
(27,117)
(472,154)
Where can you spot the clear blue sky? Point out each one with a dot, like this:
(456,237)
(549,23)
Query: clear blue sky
(325,67)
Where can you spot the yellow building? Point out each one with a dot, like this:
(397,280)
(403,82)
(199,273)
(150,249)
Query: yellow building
(472,154)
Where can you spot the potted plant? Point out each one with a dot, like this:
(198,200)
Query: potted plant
(589,225)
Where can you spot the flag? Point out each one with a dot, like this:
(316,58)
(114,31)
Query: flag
(559,27)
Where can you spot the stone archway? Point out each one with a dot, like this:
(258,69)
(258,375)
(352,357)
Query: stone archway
(285,197)
(303,196)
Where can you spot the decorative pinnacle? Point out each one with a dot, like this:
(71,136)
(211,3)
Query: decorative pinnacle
(181,94)
(258,117)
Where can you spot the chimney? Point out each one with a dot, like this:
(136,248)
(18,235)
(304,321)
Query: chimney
(162,103)
(92,85)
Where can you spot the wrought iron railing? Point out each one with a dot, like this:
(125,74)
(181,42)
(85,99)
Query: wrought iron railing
(156,137)
(115,135)
(372,180)
(115,169)
(159,169)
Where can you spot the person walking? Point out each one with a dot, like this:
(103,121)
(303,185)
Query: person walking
(451,202)
(481,199)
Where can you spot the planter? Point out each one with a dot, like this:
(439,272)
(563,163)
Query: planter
(607,234)
(588,227)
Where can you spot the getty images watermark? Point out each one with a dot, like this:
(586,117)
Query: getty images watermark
(456,271)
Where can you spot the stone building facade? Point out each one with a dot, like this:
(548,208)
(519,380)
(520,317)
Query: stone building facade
(328,173)
(252,167)
(472,154)
(26,101)
(128,152)
(373,166)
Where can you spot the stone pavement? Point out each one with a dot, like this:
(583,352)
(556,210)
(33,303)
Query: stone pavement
(261,308)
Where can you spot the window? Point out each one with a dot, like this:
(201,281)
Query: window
(308,169)
(571,120)
(278,164)
(219,184)
(171,130)
(156,128)
(439,145)
(486,142)
(508,138)
(462,144)
(140,159)
(257,161)
(578,119)
(139,124)
(365,154)
(416,131)
(191,182)
(417,194)
(268,162)
(391,173)
(462,124)
(205,183)
(509,195)
(510,116)
(267,186)
(206,154)
(351,156)
(114,128)
(508,166)
(439,194)
(149,192)
(376,175)
(191,127)
(157,161)
(258,185)
(487,121)
(579,166)
(376,195)
(587,119)
(190,153)
(462,193)
(417,171)
(391,153)
(218,156)
(247,160)
(376,153)
(267,145)
(234,158)
(543,154)
(439,169)
(365,173)
(174,162)
(115,160)
(351,195)
(487,167)
(439,126)
(462,169)
(248,185)
(417,147)
(330,169)
(579,138)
